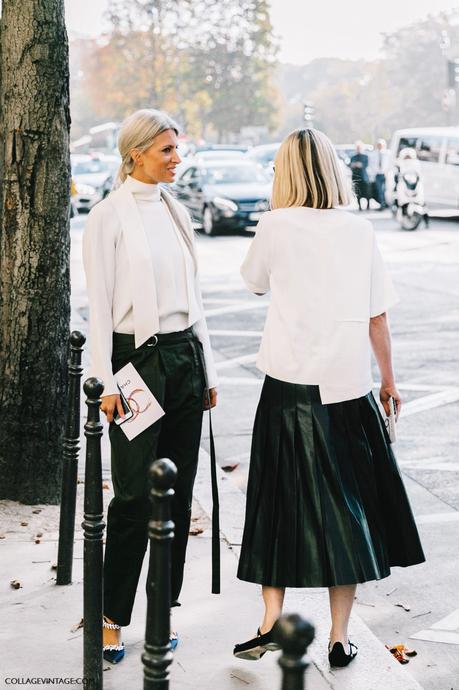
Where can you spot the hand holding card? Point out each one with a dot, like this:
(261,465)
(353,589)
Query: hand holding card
(143,405)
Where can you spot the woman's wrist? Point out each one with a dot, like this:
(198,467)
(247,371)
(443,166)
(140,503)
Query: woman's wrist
(388,381)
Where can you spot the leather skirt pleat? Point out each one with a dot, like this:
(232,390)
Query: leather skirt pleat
(326,504)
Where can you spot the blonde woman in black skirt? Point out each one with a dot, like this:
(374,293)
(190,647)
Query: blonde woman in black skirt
(326,505)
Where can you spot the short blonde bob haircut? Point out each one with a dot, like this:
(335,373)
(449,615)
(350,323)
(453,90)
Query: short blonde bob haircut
(307,173)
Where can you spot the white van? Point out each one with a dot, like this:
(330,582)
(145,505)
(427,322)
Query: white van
(437,149)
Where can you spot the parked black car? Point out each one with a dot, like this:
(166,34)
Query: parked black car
(224,195)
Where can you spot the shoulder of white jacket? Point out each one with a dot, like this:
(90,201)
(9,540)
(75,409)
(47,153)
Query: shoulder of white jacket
(102,207)
(102,213)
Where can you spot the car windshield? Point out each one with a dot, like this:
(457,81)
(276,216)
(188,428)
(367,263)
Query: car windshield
(88,167)
(264,156)
(234,174)
(220,154)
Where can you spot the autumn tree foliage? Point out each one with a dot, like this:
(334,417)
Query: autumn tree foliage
(208,63)
(357,99)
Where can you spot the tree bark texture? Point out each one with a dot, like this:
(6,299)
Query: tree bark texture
(34,248)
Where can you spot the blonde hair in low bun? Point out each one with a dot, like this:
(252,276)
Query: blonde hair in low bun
(308,172)
(138,132)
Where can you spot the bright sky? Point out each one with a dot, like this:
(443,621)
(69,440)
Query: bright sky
(307,29)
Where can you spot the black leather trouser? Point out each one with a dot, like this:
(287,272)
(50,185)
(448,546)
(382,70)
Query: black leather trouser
(172,369)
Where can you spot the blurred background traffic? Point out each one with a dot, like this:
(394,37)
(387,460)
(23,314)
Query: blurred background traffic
(218,69)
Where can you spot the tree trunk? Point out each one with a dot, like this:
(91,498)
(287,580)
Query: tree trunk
(34,248)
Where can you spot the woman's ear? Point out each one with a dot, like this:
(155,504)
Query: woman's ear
(136,157)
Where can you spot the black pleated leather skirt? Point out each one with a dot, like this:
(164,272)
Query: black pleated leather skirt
(326,504)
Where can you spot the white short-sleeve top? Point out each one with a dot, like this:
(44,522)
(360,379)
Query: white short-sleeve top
(327,278)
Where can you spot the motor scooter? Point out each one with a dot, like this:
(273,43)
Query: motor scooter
(408,206)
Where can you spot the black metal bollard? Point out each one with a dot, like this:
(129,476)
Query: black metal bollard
(70,463)
(93,526)
(294,635)
(157,655)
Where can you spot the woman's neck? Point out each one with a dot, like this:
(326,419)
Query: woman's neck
(139,174)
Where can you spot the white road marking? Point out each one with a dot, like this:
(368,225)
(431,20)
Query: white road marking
(223,287)
(450,622)
(222,300)
(240,381)
(429,402)
(437,636)
(232,309)
(445,630)
(439,518)
(419,387)
(238,334)
(443,466)
(229,363)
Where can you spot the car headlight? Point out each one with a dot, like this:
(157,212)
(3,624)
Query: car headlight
(225,204)
(85,189)
(262,205)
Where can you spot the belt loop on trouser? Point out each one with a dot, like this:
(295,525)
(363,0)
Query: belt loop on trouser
(197,359)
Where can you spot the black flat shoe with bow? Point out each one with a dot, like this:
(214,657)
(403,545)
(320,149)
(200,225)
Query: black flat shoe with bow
(338,658)
(252,650)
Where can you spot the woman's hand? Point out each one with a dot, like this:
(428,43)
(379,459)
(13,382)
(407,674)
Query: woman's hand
(390,391)
(109,404)
(212,397)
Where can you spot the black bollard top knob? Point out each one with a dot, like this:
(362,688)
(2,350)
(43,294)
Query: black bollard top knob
(93,388)
(77,339)
(163,474)
(294,634)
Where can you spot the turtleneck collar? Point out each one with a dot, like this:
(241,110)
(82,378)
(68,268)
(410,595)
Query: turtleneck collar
(143,190)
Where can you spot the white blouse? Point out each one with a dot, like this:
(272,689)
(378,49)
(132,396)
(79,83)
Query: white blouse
(327,278)
(140,275)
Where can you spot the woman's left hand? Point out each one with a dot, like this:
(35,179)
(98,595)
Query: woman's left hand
(212,396)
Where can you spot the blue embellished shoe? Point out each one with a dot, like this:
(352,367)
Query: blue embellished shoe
(174,640)
(113,653)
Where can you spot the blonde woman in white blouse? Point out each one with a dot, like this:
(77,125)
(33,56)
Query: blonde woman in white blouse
(326,505)
(145,307)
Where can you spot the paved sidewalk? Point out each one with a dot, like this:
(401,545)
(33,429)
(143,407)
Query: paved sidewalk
(36,638)
(374,668)
(37,641)
(36,635)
